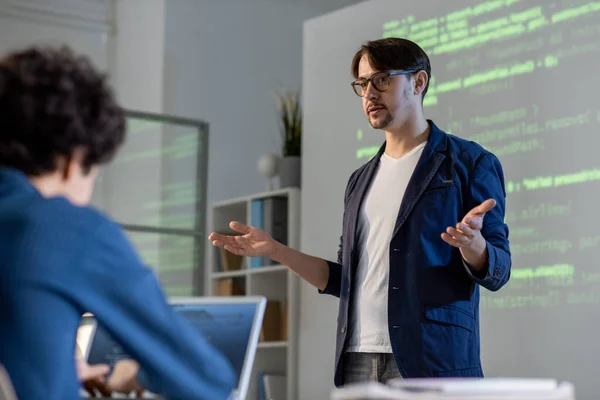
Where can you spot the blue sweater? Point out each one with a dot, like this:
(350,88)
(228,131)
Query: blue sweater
(58,261)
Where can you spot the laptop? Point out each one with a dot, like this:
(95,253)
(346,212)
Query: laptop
(230,324)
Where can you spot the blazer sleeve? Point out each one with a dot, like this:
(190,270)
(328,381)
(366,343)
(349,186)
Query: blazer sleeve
(334,282)
(176,361)
(488,182)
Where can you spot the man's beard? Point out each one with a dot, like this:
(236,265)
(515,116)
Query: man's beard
(382,124)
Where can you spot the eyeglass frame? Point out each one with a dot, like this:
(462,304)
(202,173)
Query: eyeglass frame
(388,74)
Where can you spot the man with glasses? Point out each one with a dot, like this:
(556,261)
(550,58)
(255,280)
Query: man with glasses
(423,228)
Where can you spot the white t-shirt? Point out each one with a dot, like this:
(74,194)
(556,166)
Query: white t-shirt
(369,299)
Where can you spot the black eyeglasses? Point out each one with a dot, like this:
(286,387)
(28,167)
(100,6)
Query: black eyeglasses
(380,81)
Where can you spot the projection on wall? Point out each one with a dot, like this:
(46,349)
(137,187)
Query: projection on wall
(491,62)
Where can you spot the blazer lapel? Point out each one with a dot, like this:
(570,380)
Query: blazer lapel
(427,166)
(357,197)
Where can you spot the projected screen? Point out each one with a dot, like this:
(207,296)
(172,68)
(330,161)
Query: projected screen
(491,62)
(520,77)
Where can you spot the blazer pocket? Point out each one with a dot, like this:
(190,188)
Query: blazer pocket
(439,185)
(450,316)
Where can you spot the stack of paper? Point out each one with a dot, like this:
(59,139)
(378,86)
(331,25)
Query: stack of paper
(368,391)
(458,389)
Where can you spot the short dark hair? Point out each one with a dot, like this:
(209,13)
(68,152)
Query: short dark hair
(393,54)
(52,103)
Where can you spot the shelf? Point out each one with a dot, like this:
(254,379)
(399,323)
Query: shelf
(262,195)
(267,269)
(273,345)
(229,274)
(277,283)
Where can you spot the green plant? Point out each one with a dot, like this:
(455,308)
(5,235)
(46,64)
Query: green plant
(290,121)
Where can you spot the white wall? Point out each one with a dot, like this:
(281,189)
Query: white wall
(224,61)
(82,24)
(130,46)
(319,7)
(138,63)
(136,68)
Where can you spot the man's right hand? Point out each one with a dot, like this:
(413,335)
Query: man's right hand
(92,377)
(252,242)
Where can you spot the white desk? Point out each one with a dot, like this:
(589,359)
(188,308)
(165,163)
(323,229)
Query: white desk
(458,389)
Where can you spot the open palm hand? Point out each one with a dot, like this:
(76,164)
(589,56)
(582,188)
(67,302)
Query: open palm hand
(252,242)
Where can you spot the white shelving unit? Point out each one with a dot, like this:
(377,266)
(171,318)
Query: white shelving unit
(275,282)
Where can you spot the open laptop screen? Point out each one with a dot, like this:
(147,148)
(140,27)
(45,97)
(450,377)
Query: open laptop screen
(230,324)
(227,327)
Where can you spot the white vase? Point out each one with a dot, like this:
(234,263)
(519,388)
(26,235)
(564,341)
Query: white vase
(268,166)
(290,171)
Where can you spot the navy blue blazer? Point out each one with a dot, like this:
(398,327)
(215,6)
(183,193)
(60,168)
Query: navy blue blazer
(433,299)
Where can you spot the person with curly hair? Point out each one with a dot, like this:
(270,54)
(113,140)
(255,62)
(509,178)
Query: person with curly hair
(59,257)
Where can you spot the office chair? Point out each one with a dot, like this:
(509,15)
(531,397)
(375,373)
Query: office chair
(7,392)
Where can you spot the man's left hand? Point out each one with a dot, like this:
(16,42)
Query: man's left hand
(124,378)
(467,236)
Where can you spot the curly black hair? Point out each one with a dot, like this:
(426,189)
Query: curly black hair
(53,103)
